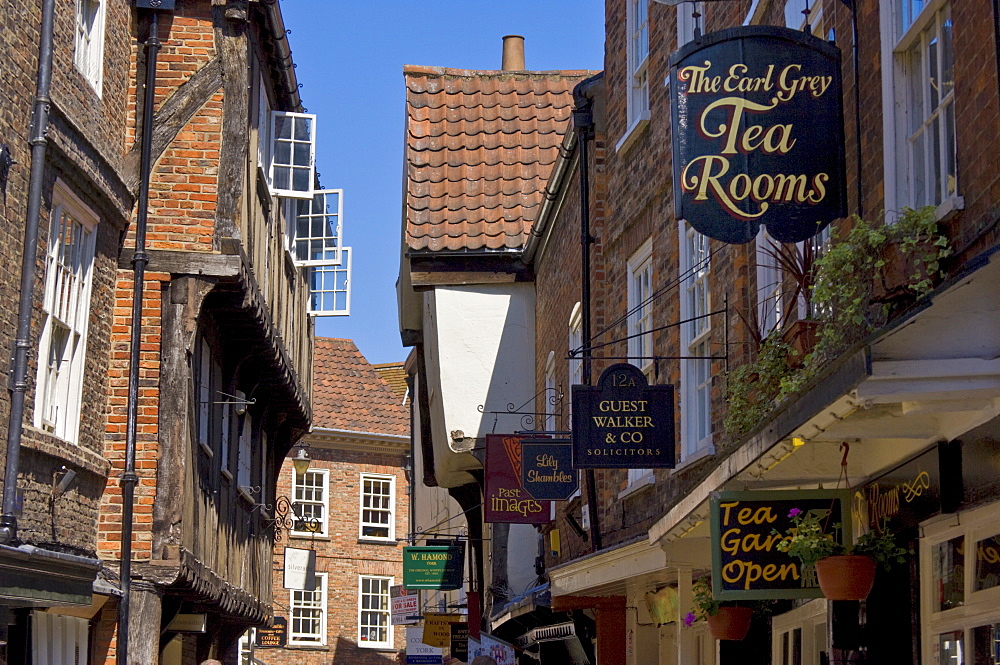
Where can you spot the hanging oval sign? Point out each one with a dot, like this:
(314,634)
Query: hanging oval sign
(758,134)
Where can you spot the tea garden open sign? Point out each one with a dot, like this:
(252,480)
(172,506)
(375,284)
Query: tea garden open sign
(758,134)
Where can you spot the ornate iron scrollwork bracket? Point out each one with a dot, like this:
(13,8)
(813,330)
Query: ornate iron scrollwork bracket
(528,417)
(288,518)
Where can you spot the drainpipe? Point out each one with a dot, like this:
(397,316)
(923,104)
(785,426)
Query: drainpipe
(139,261)
(583,120)
(18,385)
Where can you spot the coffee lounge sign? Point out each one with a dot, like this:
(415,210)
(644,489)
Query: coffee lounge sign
(758,134)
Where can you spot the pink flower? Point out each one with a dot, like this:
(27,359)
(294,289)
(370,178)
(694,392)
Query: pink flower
(794,512)
(689,619)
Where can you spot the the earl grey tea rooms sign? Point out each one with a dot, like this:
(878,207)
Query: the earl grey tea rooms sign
(623,422)
(758,134)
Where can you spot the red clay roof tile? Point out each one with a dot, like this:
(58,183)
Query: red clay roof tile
(480,148)
(350,394)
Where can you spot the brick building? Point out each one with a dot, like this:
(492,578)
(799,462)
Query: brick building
(55,460)
(357,491)
(225,360)
(910,386)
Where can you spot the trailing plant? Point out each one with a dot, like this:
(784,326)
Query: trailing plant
(840,282)
(704,602)
(881,546)
(752,387)
(808,539)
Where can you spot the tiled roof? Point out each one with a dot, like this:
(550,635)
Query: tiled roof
(348,394)
(395,375)
(479,150)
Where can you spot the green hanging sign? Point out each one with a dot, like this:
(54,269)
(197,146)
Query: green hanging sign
(437,567)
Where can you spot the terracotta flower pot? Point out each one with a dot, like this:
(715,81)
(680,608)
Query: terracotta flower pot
(846,577)
(730,623)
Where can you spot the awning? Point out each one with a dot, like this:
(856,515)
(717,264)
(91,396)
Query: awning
(35,577)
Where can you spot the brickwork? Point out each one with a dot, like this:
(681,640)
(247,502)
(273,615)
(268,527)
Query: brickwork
(85,138)
(343,556)
(634,183)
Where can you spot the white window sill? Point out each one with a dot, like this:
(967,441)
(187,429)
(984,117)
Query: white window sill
(227,474)
(376,541)
(700,454)
(206,449)
(642,483)
(949,208)
(245,494)
(377,646)
(632,133)
(308,535)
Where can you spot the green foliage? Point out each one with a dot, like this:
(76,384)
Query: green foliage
(881,545)
(752,387)
(840,297)
(808,539)
(704,601)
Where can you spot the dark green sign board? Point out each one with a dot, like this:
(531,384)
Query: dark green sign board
(746,563)
(433,567)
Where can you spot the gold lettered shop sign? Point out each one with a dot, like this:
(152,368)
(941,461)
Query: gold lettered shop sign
(758,134)
(623,422)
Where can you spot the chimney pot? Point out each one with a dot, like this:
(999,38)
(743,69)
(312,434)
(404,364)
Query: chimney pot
(513,53)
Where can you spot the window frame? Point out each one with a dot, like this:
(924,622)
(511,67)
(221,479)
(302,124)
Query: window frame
(694,343)
(686,22)
(88,46)
(389,628)
(979,607)
(770,303)
(69,379)
(273,142)
(324,530)
(344,268)
(549,395)
(640,307)
(293,237)
(294,638)
(575,369)
(637,75)
(899,156)
(392,508)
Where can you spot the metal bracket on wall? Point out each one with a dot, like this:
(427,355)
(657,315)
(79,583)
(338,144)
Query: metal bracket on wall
(528,417)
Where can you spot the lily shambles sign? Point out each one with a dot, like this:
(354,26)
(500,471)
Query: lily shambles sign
(547,468)
(758,134)
(623,422)
(746,529)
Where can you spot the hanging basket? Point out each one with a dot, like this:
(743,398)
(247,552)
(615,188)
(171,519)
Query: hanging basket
(730,623)
(846,577)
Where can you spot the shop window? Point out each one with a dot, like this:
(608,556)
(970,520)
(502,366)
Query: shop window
(378,499)
(59,640)
(311,497)
(960,590)
(798,637)
(293,154)
(696,368)
(308,609)
(63,345)
(88,47)
(637,26)
(374,630)
(920,150)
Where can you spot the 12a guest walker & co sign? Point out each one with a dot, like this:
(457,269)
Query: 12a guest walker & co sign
(758,134)
(623,422)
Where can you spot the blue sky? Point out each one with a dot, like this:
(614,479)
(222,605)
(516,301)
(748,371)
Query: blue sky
(350,56)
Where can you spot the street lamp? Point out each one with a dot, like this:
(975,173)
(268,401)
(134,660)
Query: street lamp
(301,460)
(287,514)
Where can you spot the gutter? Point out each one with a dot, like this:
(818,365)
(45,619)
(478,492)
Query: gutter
(555,192)
(283,62)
